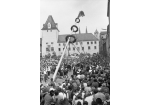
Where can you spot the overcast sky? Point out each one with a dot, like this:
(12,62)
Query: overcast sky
(64,13)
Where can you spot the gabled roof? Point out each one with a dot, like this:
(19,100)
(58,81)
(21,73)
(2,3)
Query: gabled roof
(80,37)
(53,24)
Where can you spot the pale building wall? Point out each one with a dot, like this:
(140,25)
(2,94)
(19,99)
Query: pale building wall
(52,36)
(48,37)
(84,44)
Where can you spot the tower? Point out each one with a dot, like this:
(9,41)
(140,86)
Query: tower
(96,33)
(49,36)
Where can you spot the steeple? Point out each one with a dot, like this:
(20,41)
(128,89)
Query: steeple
(50,24)
(96,31)
(79,31)
(86,29)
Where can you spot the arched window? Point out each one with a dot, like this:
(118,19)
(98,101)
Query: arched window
(49,25)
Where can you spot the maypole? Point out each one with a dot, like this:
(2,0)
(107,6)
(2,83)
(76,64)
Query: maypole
(57,68)
(70,39)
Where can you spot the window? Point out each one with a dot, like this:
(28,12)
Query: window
(59,49)
(47,43)
(51,42)
(74,49)
(89,48)
(52,48)
(81,43)
(94,47)
(48,46)
(63,44)
(91,42)
(47,49)
(87,42)
(78,48)
(76,43)
(59,44)
(82,48)
(49,25)
(95,42)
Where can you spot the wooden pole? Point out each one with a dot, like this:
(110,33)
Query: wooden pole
(59,63)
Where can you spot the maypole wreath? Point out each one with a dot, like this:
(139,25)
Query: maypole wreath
(77,20)
(71,37)
(74,28)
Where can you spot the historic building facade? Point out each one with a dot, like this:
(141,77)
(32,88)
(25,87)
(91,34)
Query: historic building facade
(53,42)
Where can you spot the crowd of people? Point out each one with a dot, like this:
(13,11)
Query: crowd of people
(89,83)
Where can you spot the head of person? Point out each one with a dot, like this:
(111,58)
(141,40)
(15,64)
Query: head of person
(56,93)
(51,79)
(51,92)
(99,101)
(94,103)
(79,103)
(95,91)
(85,103)
(79,97)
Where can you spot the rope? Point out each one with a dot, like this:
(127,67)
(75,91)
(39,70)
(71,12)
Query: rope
(76,48)
(76,37)
(81,47)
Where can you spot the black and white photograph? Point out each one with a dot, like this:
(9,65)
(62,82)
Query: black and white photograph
(92,52)
(75,52)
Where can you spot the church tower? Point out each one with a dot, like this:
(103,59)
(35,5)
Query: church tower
(49,36)
(96,34)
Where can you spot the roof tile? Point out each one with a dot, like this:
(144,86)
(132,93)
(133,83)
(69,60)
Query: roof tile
(53,24)
(80,37)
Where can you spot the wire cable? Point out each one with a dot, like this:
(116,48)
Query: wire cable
(76,48)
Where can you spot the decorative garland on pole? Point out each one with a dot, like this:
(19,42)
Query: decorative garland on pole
(68,38)
(71,36)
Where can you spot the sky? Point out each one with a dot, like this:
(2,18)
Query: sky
(64,13)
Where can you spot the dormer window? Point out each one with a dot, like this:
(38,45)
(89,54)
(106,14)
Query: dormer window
(49,25)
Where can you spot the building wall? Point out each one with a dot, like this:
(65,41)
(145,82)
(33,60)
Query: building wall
(51,36)
(108,45)
(47,39)
(84,44)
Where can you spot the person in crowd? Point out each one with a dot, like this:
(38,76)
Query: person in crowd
(89,84)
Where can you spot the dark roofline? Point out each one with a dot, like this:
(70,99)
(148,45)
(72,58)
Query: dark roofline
(50,29)
(78,34)
(64,35)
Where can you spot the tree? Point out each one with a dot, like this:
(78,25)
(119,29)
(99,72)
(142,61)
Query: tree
(48,56)
(54,55)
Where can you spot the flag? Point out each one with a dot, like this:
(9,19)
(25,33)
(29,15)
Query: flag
(81,13)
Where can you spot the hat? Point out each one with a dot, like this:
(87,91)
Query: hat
(45,90)
(104,89)
(51,89)
(98,89)
(85,103)
(99,101)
